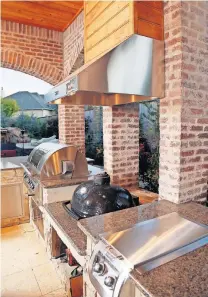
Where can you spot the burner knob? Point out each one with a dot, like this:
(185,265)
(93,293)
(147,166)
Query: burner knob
(109,281)
(99,267)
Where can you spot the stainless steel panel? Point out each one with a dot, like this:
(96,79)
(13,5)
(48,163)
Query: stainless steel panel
(155,238)
(131,72)
(99,99)
(46,160)
(12,201)
(171,256)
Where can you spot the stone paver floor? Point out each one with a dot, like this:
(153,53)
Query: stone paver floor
(26,270)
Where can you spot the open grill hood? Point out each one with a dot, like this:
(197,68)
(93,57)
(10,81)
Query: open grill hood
(131,72)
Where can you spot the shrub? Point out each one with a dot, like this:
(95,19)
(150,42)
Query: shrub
(32,125)
(5,120)
(9,106)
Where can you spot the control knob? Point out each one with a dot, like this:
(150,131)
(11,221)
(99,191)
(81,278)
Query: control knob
(99,268)
(109,281)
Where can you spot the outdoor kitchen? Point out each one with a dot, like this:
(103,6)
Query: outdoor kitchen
(100,233)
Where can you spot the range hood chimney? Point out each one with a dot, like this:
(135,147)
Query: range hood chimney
(131,72)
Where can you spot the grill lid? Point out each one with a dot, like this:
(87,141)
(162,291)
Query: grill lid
(154,242)
(52,159)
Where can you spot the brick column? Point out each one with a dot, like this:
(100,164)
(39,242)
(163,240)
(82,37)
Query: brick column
(71,118)
(72,125)
(183,111)
(121,143)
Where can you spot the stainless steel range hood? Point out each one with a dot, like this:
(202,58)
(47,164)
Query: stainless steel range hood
(131,72)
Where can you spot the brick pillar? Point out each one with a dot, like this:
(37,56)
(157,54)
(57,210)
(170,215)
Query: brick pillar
(71,118)
(72,125)
(183,111)
(121,143)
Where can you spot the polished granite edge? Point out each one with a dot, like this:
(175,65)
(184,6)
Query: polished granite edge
(68,225)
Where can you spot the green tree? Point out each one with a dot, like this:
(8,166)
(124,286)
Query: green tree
(32,125)
(9,106)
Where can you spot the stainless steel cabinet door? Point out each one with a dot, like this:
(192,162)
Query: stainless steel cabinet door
(12,203)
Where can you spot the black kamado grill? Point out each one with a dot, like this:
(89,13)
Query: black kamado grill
(97,197)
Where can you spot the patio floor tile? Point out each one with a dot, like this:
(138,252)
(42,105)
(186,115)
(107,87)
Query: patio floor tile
(26,270)
(21,284)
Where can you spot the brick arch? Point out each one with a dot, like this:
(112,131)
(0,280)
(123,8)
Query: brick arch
(30,65)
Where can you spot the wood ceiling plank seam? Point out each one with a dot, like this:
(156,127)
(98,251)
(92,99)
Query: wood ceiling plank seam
(23,12)
(96,16)
(87,3)
(56,6)
(149,13)
(147,21)
(155,4)
(28,6)
(72,4)
(122,25)
(153,7)
(108,20)
(31,6)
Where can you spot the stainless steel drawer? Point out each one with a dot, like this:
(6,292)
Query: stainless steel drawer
(12,201)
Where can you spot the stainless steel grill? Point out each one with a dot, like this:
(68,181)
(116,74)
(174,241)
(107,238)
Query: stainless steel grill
(53,161)
(143,247)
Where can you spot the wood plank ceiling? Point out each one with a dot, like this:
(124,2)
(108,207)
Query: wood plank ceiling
(56,15)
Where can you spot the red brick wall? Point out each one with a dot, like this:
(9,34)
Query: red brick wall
(183,111)
(33,50)
(72,125)
(121,143)
(71,118)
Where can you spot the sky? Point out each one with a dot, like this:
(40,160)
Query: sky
(14,81)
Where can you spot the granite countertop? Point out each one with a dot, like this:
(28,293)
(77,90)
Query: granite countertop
(68,225)
(12,162)
(185,276)
(64,181)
